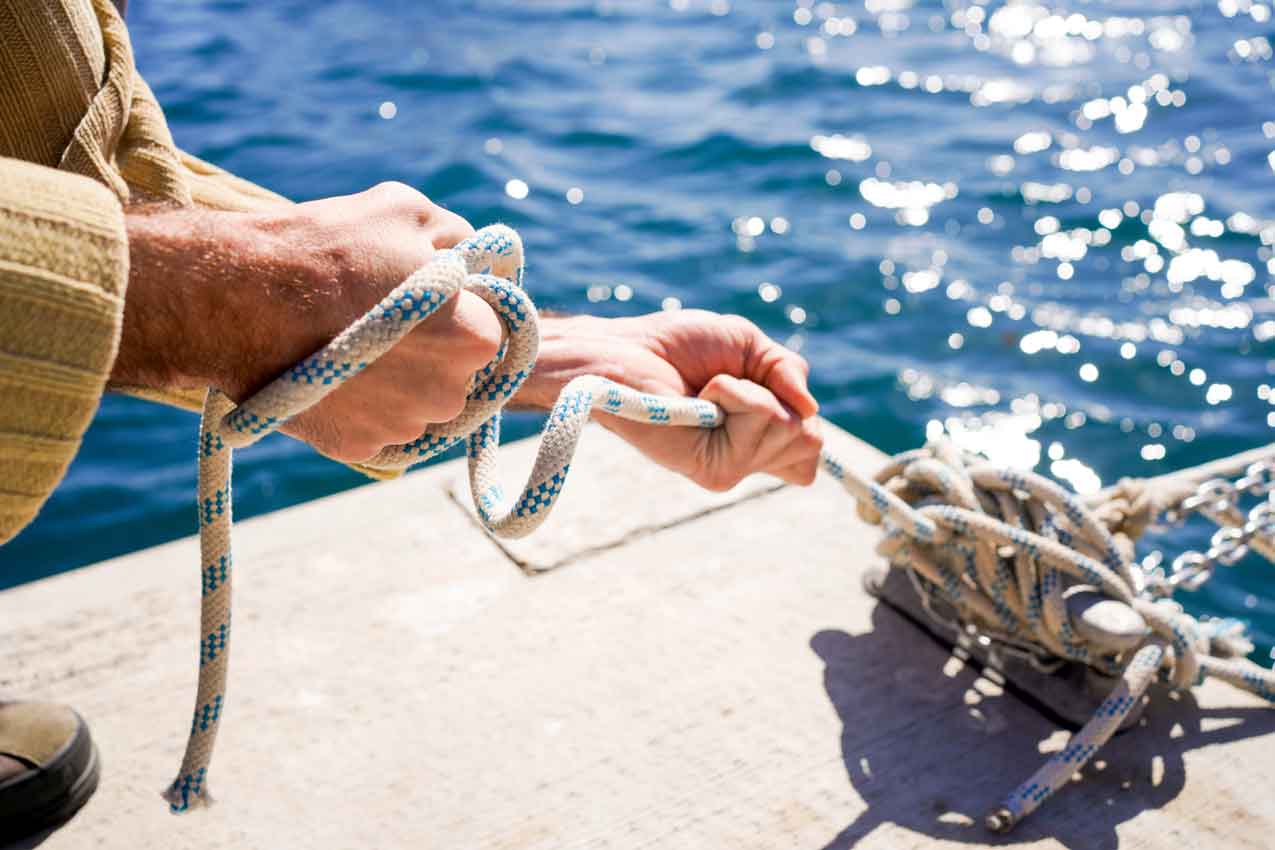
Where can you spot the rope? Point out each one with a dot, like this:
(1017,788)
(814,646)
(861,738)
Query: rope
(1004,549)
(490,265)
(1014,555)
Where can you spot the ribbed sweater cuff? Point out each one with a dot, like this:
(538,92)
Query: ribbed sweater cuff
(63,272)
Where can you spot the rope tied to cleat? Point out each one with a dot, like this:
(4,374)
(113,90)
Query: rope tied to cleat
(1024,563)
(1018,559)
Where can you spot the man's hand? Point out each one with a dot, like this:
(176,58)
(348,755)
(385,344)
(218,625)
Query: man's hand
(231,300)
(770,424)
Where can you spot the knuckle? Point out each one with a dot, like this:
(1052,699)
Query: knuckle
(409,205)
(718,481)
(352,450)
(450,400)
(690,316)
(452,226)
(741,324)
(396,191)
(428,216)
(333,432)
(402,430)
(486,346)
(787,354)
(477,346)
(719,384)
(483,332)
(775,415)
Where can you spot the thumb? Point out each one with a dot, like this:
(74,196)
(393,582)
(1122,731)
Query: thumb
(739,396)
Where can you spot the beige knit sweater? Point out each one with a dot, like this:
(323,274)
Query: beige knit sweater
(81,137)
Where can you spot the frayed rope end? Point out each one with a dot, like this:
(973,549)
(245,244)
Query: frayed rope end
(1002,820)
(188,792)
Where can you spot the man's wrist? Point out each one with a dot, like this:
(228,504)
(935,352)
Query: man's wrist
(169,308)
(204,289)
(570,346)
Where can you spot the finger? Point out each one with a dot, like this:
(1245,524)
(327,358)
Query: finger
(803,441)
(447,229)
(798,461)
(463,336)
(341,442)
(742,396)
(759,427)
(782,371)
(788,381)
(409,391)
(802,473)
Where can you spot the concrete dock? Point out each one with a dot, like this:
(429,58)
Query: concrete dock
(657,668)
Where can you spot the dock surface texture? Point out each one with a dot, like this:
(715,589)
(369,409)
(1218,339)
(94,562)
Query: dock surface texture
(657,668)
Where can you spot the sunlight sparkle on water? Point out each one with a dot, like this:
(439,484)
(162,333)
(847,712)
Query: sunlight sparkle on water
(1032,142)
(852,148)
(1083,479)
(1045,193)
(1002,438)
(1087,159)
(517,189)
(912,199)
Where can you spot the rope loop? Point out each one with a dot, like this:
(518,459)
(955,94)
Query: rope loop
(490,265)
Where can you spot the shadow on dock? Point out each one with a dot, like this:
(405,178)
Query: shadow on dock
(932,747)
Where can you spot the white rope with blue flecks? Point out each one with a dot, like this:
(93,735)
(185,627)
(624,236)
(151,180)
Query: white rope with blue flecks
(1000,547)
(489,264)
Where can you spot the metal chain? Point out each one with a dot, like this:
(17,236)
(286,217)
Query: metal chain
(1218,500)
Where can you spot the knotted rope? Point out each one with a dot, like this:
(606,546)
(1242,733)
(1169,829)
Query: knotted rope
(1004,549)
(1025,563)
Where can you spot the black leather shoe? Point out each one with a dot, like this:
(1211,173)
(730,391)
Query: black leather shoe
(48,767)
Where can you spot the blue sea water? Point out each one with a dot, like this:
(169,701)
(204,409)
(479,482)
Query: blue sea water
(1046,229)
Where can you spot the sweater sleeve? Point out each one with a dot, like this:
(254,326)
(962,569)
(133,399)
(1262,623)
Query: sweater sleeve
(63,271)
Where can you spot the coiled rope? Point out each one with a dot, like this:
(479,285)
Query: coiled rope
(1025,563)
(1004,549)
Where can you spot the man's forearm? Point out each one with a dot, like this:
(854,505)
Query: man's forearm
(194,275)
(206,286)
(173,300)
(232,300)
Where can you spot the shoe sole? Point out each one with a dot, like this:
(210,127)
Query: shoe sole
(50,796)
